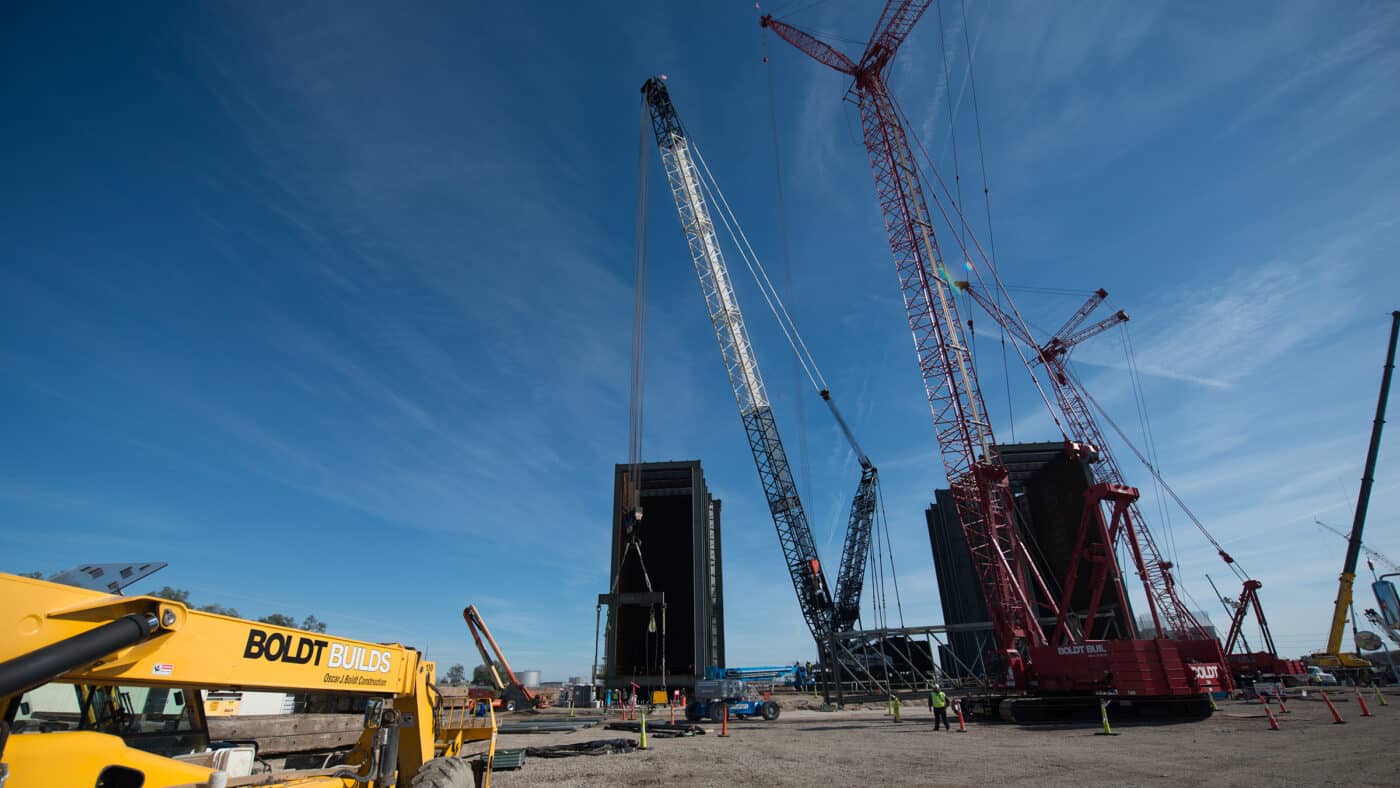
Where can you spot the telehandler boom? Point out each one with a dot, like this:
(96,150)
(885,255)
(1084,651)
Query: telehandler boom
(103,690)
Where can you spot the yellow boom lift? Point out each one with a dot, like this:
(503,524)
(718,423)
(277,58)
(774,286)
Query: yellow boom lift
(103,690)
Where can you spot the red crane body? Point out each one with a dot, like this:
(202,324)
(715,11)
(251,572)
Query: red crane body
(976,475)
(1029,661)
(1257,663)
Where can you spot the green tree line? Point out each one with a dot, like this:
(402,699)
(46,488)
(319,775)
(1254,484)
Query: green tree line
(310,623)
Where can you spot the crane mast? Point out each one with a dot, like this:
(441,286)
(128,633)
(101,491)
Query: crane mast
(774,471)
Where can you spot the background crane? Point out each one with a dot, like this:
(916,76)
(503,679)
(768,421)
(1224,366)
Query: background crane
(1332,658)
(1372,554)
(823,613)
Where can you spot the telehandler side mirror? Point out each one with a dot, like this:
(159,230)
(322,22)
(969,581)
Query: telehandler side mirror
(374,709)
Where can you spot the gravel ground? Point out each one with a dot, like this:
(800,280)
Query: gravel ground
(866,747)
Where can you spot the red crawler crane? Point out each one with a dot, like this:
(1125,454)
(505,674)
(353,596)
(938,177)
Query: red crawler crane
(1169,613)
(1072,669)
(976,475)
(1253,664)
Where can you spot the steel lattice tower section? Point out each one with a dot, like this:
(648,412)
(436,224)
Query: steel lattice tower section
(975,473)
(775,474)
(850,577)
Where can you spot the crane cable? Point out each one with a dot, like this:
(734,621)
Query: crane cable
(952,124)
(957,176)
(765,285)
(1145,422)
(877,579)
(639,291)
(797,399)
(987,203)
(633,514)
(1152,469)
(885,523)
(711,189)
(976,270)
(875,567)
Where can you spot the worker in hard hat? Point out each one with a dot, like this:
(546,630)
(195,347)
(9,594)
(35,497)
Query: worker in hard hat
(938,704)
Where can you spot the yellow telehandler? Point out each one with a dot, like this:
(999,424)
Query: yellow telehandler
(103,691)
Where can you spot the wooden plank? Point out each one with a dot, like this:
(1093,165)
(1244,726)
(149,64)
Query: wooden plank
(282,733)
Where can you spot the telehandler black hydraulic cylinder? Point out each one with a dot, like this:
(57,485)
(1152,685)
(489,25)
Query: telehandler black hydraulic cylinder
(38,667)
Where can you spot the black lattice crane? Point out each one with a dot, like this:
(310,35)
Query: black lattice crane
(823,612)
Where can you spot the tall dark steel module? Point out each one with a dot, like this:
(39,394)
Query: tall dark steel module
(1048,486)
(679,535)
(959,590)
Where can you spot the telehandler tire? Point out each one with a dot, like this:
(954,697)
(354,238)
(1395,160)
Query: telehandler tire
(445,773)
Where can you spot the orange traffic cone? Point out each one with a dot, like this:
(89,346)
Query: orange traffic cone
(1336,718)
(1273,723)
(724,721)
(1282,707)
(962,727)
(1361,699)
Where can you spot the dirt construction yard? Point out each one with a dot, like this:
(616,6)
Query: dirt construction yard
(866,747)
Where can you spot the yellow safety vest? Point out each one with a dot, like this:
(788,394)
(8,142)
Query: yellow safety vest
(939,699)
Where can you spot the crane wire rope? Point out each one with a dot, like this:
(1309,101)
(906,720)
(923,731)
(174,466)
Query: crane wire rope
(734,229)
(952,118)
(1152,469)
(957,175)
(639,291)
(772,298)
(635,411)
(894,577)
(976,270)
(987,204)
(1057,291)
(1370,553)
(1140,401)
(1231,606)
(711,188)
(798,401)
(765,285)
(877,589)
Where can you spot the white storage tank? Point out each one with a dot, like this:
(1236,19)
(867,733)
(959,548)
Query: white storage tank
(530,678)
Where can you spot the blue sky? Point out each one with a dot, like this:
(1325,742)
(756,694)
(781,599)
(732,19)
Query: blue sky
(329,305)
